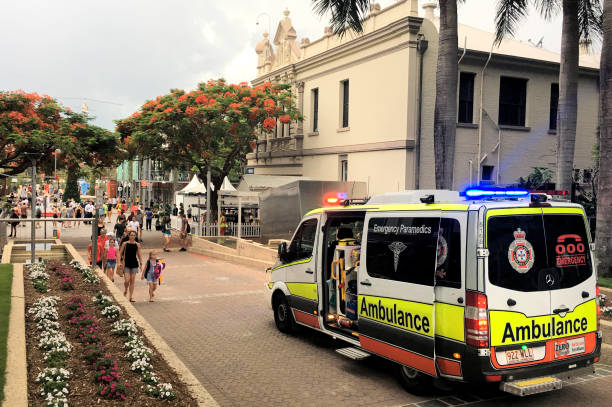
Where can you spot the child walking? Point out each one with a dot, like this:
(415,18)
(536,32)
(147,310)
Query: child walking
(151,271)
(110,254)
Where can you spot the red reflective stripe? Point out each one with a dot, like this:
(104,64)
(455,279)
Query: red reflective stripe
(400,355)
(449,367)
(306,319)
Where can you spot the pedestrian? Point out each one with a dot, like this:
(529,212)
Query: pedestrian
(120,227)
(185,229)
(130,261)
(14,215)
(100,243)
(111,248)
(167,232)
(100,224)
(139,216)
(24,210)
(78,212)
(149,217)
(134,224)
(89,210)
(151,271)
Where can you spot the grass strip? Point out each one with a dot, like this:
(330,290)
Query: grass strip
(605,281)
(6,280)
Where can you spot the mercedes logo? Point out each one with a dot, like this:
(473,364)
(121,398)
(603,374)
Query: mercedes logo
(550,280)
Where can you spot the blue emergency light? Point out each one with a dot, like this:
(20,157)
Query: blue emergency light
(495,193)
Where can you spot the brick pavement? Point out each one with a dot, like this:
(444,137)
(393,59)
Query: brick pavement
(213,314)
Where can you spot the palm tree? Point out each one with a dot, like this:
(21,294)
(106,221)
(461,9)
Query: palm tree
(581,20)
(349,14)
(603,234)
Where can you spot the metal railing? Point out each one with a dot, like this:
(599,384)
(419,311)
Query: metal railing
(212,229)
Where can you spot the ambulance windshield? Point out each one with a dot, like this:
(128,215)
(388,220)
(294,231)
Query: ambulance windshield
(538,252)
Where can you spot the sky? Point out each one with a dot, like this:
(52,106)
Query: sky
(116,54)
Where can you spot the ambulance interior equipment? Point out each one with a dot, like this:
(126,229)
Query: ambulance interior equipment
(495,286)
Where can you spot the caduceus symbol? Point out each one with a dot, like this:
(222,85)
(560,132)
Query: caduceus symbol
(396,248)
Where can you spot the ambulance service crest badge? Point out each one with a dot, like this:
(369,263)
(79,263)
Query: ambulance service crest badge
(520,252)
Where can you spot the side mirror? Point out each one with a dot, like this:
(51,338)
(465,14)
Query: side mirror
(282,251)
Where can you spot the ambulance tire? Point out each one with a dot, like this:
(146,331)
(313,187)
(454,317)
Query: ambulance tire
(283,318)
(414,381)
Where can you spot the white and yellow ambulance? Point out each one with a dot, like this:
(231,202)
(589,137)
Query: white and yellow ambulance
(491,285)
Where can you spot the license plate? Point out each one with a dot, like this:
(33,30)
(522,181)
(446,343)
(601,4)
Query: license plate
(519,356)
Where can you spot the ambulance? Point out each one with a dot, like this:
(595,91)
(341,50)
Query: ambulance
(485,286)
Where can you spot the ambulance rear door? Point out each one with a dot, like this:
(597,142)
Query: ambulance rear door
(515,285)
(396,287)
(572,296)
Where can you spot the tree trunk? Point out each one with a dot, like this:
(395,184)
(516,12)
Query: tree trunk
(445,116)
(568,95)
(603,233)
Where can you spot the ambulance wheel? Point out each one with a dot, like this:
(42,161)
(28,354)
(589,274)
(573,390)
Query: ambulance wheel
(282,314)
(414,381)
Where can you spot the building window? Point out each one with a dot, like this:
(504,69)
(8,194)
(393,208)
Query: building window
(315,110)
(344,88)
(512,101)
(554,103)
(343,168)
(487,172)
(466,97)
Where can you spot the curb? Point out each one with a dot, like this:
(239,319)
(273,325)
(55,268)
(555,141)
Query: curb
(16,385)
(261,265)
(194,387)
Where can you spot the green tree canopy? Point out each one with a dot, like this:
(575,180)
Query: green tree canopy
(214,125)
(30,123)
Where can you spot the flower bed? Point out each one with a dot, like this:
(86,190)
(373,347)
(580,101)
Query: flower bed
(80,353)
(605,303)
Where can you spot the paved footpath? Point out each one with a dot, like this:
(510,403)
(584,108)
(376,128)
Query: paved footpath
(213,314)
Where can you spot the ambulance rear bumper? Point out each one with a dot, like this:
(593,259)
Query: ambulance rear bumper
(563,369)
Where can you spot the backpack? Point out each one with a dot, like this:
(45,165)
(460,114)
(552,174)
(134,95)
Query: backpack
(188,228)
(157,270)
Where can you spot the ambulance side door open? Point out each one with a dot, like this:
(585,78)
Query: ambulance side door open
(300,273)
(396,287)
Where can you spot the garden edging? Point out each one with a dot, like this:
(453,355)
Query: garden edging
(195,388)
(16,385)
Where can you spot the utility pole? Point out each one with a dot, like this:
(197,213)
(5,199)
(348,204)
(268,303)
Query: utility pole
(33,209)
(94,237)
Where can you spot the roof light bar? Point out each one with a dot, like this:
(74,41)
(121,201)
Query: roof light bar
(495,193)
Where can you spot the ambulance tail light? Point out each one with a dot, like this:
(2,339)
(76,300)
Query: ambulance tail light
(476,320)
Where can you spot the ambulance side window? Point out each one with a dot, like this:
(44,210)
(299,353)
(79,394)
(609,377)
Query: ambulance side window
(448,258)
(303,242)
(402,249)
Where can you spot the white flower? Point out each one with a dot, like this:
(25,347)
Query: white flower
(111,311)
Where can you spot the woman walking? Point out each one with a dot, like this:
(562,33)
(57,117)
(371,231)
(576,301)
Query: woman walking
(167,233)
(130,260)
(14,215)
(110,255)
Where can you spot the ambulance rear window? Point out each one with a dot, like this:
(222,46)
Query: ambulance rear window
(538,253)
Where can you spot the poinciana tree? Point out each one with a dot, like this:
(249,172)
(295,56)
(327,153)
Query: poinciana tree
(214,126)
(30,123)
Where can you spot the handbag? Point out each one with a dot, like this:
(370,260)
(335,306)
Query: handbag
(120,269)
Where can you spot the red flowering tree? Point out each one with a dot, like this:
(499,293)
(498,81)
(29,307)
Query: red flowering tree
(30,123)
(214,125)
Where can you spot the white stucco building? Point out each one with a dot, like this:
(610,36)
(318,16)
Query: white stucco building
(368,102)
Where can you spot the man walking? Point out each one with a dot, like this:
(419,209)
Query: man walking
(149,217)
(185,229)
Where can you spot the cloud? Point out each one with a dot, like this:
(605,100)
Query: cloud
(125,52)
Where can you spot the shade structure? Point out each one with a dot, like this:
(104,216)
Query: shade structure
(227,185)
(195,186)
